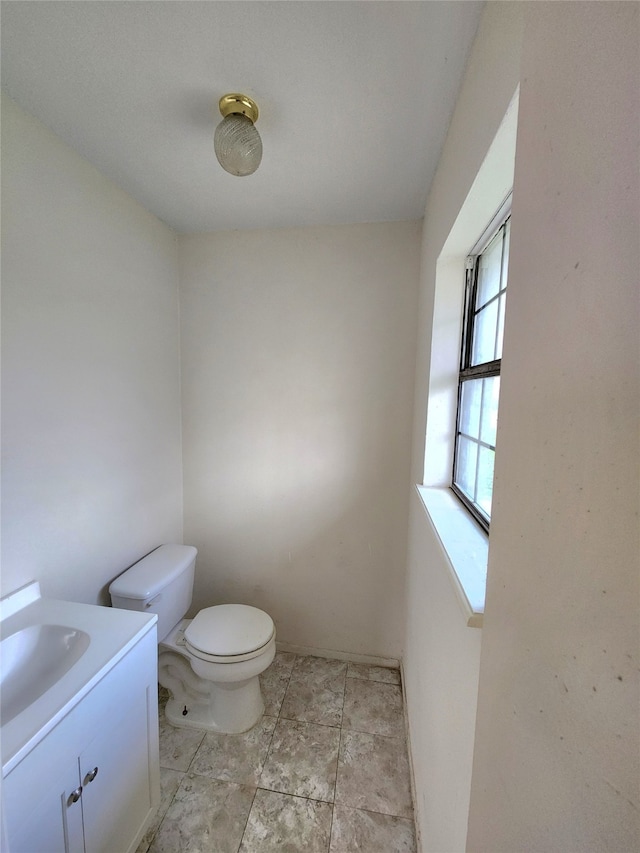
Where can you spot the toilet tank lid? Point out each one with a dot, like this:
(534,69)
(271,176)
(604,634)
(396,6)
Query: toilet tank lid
(146,578)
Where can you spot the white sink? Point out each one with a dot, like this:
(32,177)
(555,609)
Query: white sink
(33,660)
(52,654)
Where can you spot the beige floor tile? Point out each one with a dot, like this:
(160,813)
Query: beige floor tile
(280,823)
(206,816)
(366,672)
(354,829)
(373,774)
(373,707)
(235,758)
(169,782)
(177,746)
(320,668)
(274,681)
(316,691)
(302,760)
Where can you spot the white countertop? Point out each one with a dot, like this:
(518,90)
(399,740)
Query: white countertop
(112,634)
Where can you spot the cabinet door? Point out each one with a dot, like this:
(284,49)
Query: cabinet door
(53,823)
(115,770)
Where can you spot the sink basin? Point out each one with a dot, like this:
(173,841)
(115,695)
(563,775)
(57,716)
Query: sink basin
(52,654)
(33,659)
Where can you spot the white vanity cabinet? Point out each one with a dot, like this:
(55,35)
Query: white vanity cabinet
(91,785)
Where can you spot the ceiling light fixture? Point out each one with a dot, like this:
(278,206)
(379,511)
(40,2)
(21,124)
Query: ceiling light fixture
(236,142)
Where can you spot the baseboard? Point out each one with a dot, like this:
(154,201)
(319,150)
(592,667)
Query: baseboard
(412,778)
(372,660)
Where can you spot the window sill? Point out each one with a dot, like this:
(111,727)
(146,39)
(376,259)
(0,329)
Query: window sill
(466,548)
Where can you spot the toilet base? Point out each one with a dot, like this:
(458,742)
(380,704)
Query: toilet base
(218,697)
(231,708)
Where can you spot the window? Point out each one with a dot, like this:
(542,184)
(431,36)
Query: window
(479,378)
(465,543)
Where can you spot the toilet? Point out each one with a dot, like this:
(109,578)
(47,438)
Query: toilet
(211,663)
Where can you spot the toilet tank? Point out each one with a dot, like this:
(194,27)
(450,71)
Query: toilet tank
(162,583)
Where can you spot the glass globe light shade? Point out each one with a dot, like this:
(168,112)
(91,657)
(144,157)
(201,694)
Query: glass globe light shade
(238,145)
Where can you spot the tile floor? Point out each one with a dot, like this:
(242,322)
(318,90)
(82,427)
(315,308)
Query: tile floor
(324,771)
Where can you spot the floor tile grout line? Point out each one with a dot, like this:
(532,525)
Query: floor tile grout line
(280,717)
(374,734)
(268,751)
(297,796)
(193,757)
(310,723)
(161,709)
(285,691)
(335,789)
(246,823)
(373,811)
(344,691)
(291,719)
(171,801)
(184,773)
(335,783)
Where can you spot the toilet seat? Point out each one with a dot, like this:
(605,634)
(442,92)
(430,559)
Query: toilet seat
(229,633)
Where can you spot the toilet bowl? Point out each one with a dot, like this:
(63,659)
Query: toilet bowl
(210,664)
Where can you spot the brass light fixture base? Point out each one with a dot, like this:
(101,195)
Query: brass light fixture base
(237,103)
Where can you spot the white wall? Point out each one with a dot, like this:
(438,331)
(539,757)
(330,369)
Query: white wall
(556,764)
(442,655)
(297,372)
(91,468)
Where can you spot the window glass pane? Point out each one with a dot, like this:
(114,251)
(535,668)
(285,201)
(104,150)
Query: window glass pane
(485,479)
(482,345)
(484,334)
(490,397)
(470,407)
(489,271)
(466,465)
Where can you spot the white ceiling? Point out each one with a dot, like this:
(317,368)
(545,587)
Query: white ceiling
(355,99)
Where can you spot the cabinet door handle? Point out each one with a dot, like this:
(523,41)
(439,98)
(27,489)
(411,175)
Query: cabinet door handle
(74,796)
(91,776)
